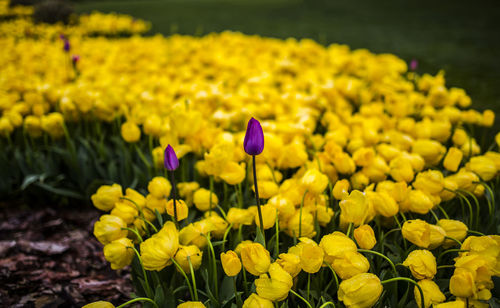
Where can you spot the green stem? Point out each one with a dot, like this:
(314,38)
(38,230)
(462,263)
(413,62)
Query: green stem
(214,266)
(225,237)
(193,278)
(443,211)
(475,232)
(334,275)
(148,288)
(471,212)
(303,299)
(445,266)
(239,192)
(135,232)
(410,281)
(277,252)
(238,297)
(245,283)
(308,285)
(454,239)
(349,229)
(434,215)
(261,221)
(172,180)
(139,299)
(183,273)
(211,183)
(300,213)
(478,207)
(326,304)
(450,250)
(382,256)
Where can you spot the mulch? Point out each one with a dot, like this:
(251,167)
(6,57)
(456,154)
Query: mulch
(49,258)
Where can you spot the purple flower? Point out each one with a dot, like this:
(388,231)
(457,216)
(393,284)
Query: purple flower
(413,64)
(254,138)
(170,160)
(67,46)
(75,58)
(62,37)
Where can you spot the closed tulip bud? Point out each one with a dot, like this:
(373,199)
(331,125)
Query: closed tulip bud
(109,228)
(437,236)
(324,215)
(182,209)
(431,151)
(398,191)
(401,169)
(452,159)
(365,237)
(432,293)
(191,304)
(454,229)
(268,216)
(488,118)
(275,287)
(267,189)
(360,291)
(311,256)
(194,234)
(255,259)
(135,198)
(430,181)
(126,211)
(119,253)
(254,138)
(233,173)
(290,262)
(382,203)
(336,245)
(238,217)
(356,208)
(255,301)
(159,187)
(359,180)
(343,163)
(154,204)
(158,158)
(201,199)
(350,265)
(341,189)
(230,263)
(418,202)
(422,264)
(106,197)
(482,166)
(363,156)
(158,250)
(301,225)
(219,224)
(417,232)
(32,125)
(130,132)
(459,137)
(170,160)
(314,181)
(462,283)
(152,125)
(241,245)
(99,304)
(193,253)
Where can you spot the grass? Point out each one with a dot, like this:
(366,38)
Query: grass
(458,36)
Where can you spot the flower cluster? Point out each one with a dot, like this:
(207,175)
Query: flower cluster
(360,183)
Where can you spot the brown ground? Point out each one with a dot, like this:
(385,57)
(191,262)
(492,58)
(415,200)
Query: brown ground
(49,258)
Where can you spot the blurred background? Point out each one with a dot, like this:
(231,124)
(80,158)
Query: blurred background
(460,37)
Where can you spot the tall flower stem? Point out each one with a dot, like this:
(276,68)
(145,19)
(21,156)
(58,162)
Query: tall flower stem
(148,288)
(193,279)
(303,299)
(139,299)
(410,281)
(172,179)
(257,196)
(382,256)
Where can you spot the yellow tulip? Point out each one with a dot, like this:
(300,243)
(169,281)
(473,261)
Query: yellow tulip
(430,181)
(202,197)
(462,283)
(452,159)
(432,293)
(336,245)
(255,259)
(106,197)
(350,265)
(158,250)
(109,228)
(454,229)
(230,263)
(255,301)
(314,181)
(238,217)
(119,253)
(290,262)
(99,304)
(130,132)
(356,208)
(360,291)
(182,209)
(268,216)
(194,233)
(275,287)
(418,232)
(482,166)
(421,263)
(233,173)
(193,253)
(341,189)
(365,237)
(159,187)
(190,304)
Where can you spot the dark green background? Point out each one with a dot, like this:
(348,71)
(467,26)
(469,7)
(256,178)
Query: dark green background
(461,37)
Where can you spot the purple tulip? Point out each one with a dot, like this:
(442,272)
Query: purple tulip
(413,64)
(67,46)
(254,138)
(170,160)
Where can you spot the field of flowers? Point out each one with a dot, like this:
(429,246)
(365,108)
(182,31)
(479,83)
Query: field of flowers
(243,171)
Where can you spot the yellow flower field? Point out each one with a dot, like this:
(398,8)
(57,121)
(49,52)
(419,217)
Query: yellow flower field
(375,185)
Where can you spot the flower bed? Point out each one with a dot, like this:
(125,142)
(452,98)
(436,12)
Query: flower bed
(360,183)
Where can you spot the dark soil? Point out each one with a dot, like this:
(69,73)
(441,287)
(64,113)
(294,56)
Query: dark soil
(50,258)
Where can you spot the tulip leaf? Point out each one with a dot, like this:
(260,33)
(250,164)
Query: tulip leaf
(159,295)
(159,217)
(259,237)
(30,179)
(226,289)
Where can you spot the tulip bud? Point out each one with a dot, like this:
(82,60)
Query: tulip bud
(109,228)
(362,290)
(191,304)
(311,255)
(170,160)
(290,262)
(462,283)
(201,199)
(219,223)
(159,187)
(417,232)
(422,264)
(119,253)
(341,189)
(230,263)
(482,166)
(432,293)
(314,181)
(254,138)
(365,237)
(452,159)
(335,245)
(437,236)
(99,304)
(430,181)
(255,301)
(255,259)
(454,229)
(356,208)
(275,287)
(194,234)
(106,197)
(182,209)
(350,265)
(130,132)
(193,253)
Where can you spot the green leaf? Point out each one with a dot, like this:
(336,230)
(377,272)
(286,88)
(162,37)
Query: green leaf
(30,179)
(159,296)
(259,237)
(60,191)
